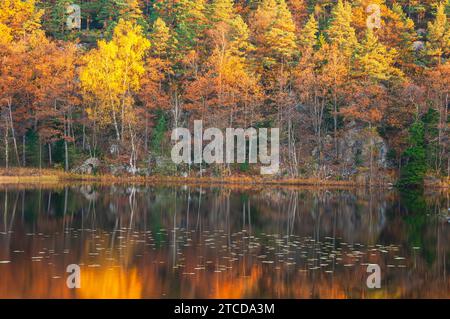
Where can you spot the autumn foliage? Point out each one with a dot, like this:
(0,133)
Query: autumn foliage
(318,70)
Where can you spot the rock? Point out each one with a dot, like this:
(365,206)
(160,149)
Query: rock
(88,167)
(163,165)
(418,45)
(354,148)
(121,169)
(117,169)
(114,149)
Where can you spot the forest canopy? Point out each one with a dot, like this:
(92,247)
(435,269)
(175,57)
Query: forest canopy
(357,88)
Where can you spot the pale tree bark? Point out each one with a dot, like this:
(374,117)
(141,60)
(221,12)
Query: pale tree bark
(6,148)
(66,151)
(11,123)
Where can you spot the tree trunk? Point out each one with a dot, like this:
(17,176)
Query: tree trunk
(335,125)
(133,155)
(24,161)
(13,131)
(116,126)
(84,137)
(66,152)
(146,134)
(49,154)
(6,148)
(40,154)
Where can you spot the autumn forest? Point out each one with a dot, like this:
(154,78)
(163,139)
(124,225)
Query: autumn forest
(358,89)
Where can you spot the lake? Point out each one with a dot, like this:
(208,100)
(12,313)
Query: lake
(202,241)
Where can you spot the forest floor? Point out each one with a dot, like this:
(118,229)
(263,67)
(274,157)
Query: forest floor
(19,175)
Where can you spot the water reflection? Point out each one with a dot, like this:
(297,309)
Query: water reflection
(210,242)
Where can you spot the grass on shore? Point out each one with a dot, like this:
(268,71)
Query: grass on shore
(18,175)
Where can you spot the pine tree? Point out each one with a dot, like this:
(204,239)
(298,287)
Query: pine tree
(55,23)
(163,44)
(131,11)
(108,11)
(226,80)
(404,37)
(375,62)
(299,9)
(341,31)
(308,36)
(228,29)
(221,10)
(274,31)
(438,45)
(413,171)
(187,18)
(282,36)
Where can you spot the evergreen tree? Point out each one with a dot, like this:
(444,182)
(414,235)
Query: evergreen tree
(227,28)
(187,18)
(274,31)
(438,45)
(163,44)
(431,121)
(413,171)
(221,10)
(308,36)
(341,32)
(281,36)
(404,41)
(375,62)
(55,23)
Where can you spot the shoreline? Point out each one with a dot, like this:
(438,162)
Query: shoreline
(17,176)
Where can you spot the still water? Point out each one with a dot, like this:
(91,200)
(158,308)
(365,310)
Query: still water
(212,242)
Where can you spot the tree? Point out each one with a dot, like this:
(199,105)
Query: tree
(336,76)
(22,18)
(308,36)
(14,81)
(341,33)
(375,62)
(111,77)
(400,34)
(413,171)
(158,72)
(55,94)
(187,18)
(19,29)
(299,9)
(274,33)
(227,83)
(275,40)
(109,12)
(55,18)
(438,80)
(438,45)
(311,92)
(391,25)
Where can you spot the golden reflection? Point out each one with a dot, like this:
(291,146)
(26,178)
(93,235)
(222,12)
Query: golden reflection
(110,283)
(130,249)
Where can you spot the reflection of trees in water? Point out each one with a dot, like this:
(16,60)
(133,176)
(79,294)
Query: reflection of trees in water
(186,214)
(416,212)
(351,215)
